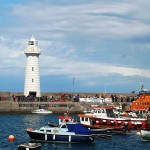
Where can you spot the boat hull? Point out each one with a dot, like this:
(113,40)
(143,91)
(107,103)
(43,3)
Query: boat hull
(113,123)
(41,111)
(145,135)
(132,124)
(34,112)
(60,138)
(101,131)
(105,129)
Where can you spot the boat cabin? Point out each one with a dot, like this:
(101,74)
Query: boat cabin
(103,112)
(99,112)
(53,130)
(142,102)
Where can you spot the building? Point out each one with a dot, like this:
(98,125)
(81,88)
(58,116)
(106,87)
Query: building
(32,74)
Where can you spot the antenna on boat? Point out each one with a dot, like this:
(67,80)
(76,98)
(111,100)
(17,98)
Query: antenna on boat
(141,85)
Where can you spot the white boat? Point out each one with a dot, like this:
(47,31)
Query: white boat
(28,146)
(145,135)
(41,110)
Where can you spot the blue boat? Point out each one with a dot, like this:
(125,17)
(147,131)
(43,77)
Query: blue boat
(100,133)
(65,132)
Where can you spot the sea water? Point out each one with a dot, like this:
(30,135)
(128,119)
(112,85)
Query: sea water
(16,124)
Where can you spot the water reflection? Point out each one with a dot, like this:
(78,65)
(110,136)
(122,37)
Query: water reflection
(32,120)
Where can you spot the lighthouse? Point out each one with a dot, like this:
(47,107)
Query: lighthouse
(32,73)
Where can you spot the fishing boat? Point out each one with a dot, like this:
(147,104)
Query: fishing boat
(145,135)
(65,132)
(104,118)
(41,110)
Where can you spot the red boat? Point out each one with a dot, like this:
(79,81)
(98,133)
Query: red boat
(104,117)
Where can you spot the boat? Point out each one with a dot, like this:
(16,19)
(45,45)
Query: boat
(41,110)
(145,135)
(142,103)
(29,146)
(66,132)
(102,117)
(97,132)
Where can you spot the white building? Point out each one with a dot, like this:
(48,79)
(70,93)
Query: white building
(32,74)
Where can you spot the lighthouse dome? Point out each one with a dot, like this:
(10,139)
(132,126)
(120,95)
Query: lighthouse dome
(33,38)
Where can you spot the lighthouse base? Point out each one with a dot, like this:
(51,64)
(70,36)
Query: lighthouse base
(32,93)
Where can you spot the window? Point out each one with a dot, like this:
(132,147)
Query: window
(30,43)
(48,130)
(63,126)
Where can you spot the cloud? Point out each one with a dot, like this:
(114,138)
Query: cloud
(83,39)
(93,19)
(84,69)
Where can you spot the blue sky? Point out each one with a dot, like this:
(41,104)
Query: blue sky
(104,45)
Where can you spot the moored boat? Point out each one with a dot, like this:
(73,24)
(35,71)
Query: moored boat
(41,110)
(67,132)
(142,102)
(29,146)
(145,135)
(104,132)
(103,117)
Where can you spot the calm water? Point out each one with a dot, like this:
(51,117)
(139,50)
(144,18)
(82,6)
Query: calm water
(16,125)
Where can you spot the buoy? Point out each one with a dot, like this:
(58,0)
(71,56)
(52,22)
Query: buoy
(11,138)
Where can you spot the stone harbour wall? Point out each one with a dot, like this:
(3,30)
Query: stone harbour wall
(9,104)
(55,107)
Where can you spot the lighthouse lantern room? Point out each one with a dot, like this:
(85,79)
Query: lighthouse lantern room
(32,73)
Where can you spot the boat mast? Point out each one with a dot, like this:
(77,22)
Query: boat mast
(142,86)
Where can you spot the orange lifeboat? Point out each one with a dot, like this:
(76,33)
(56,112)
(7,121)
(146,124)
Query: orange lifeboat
(142,102)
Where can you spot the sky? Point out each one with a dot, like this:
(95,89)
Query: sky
(86,45)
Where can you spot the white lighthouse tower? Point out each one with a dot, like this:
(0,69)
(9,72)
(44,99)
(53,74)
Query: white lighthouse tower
(32,75)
